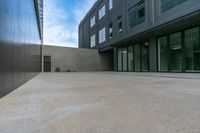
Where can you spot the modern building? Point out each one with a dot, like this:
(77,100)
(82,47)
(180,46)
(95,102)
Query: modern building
(145,35)
(20,42)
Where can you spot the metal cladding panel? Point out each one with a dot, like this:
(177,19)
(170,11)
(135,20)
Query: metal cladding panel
(20,43)
(40,11)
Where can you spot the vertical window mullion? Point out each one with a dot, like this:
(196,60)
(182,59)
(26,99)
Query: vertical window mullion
(140,57)
(169,51)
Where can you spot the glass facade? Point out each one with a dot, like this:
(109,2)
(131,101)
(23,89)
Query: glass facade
(134,58)
(180,52)
(192,49)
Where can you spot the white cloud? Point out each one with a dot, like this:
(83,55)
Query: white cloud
(58,30)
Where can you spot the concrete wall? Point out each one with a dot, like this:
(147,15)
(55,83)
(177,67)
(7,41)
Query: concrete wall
(75,59)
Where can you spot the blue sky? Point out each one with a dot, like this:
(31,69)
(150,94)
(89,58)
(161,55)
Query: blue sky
(61,20)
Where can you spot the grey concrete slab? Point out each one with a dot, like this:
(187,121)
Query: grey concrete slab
(103,102)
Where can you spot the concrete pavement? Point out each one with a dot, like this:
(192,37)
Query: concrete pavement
(103,102)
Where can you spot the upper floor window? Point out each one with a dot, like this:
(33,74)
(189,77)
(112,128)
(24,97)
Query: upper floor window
(136,14)
(111,30)
(102,12)
(102,35)
(119,21)
(92,41)
(168,4)
(110,4)
(92,21)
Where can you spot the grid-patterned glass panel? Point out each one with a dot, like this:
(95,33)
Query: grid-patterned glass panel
(102,35)
(92,21)
(192,45)
(92,41)
(176,52)
(162,54)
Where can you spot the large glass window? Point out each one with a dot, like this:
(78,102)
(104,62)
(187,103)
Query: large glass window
(92,21)
(137,57)
(102,35)
(176,52)
(102,12)
(130,58)
(111,30)
(168,4)
(162,54)
(192,49)
(110,4)
(92,41)
(119,21)
(136,14)
(145,56)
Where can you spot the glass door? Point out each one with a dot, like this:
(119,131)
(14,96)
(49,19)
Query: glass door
(145,57)
(125,59)
(119,59)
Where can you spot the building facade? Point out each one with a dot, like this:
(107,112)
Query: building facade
(20,42)
(145,35)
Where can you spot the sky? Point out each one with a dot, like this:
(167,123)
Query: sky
(61,20)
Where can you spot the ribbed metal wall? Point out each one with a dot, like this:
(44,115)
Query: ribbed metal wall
(20,43)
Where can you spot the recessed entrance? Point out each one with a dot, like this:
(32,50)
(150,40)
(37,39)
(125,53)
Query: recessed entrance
(47,63)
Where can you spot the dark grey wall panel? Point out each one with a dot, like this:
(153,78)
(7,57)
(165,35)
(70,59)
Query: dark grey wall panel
(154,18)
(86,34)
(81,36)
(20,43)
(152,54)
